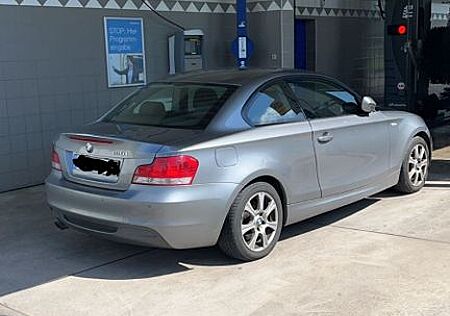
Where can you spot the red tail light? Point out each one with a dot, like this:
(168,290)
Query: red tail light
(56,163)
(177,170)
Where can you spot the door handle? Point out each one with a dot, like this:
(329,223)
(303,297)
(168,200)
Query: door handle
(325,138)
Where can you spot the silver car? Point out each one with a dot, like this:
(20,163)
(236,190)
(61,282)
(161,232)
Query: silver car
(230,158)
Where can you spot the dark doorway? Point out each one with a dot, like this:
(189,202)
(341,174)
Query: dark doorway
(305,44)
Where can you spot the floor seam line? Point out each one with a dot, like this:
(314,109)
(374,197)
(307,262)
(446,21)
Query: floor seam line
(390,234)
(111,262)
(78,272)
(14,310)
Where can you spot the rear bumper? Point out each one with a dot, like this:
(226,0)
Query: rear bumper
(170,217)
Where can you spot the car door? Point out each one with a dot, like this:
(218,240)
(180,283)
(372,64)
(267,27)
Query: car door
(352,147)
(281,142)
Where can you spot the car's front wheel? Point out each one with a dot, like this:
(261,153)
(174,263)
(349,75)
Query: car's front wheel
(414,170)
(253,225)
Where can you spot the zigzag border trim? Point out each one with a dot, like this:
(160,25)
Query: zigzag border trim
(225,6)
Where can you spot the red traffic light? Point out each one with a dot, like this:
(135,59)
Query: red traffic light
(399,29)
(402,29)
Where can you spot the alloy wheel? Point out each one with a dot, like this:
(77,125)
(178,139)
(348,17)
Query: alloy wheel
(259,221)
(418,165)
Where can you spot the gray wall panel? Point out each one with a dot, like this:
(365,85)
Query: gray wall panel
(264,30)
(349,49)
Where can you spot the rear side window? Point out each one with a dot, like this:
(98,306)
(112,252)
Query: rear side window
(272,106)
(322,99)
(180,105)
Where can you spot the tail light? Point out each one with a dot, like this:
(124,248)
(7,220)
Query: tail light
(177,170)
(56,163)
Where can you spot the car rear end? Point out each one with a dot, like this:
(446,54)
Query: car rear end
(130,182)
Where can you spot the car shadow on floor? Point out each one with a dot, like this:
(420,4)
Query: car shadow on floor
(163,262)
(34,252)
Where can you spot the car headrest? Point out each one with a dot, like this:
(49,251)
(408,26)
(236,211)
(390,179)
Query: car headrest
(205,97)
(152,109)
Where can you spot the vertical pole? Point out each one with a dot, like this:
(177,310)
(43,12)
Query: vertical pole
(241,22)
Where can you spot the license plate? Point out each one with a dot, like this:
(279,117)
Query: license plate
(100,166)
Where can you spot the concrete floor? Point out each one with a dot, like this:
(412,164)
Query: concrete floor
(386,255)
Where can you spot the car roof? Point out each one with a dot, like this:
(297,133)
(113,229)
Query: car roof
(233,76)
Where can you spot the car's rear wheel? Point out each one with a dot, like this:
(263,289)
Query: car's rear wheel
(254,223)
(414,170)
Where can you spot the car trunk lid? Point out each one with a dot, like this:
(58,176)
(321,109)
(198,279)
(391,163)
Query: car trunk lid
(106,155)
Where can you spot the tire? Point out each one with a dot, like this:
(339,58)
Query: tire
(247,214)
(415,166)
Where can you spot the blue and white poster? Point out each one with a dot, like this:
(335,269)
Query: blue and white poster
(125,52)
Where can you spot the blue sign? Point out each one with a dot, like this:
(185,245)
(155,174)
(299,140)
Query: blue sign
(124,39)
(242,46)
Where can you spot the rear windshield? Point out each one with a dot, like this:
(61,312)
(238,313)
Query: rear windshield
(177,105)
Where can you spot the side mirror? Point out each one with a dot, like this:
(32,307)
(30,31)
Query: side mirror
(368,105)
